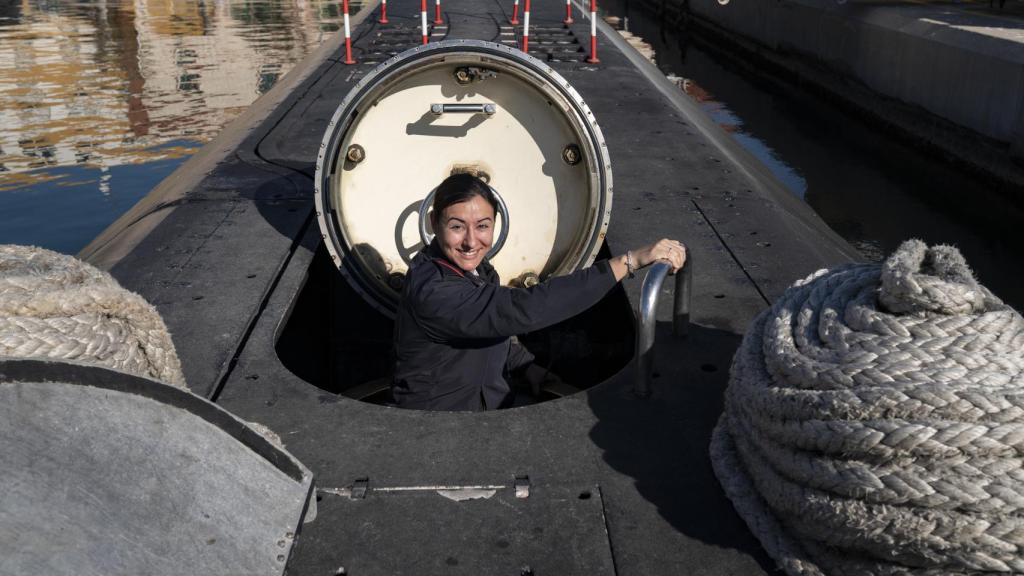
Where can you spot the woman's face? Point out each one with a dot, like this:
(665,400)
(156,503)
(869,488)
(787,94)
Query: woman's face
(467,230)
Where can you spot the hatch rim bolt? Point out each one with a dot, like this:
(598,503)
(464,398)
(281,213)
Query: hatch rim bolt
(355,153)
(571,155)
(530,280)
(462,76)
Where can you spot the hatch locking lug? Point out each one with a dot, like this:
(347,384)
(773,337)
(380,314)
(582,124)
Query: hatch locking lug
(355,153)
(526,280)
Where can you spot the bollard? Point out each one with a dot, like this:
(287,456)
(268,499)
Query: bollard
(647,317)
(515,13)
(383,12)
(437,12)
(423,18)
(348,36)
(593,33)
(568,13)
(526,27)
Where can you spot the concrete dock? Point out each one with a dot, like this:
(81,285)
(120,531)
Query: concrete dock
(226,249)
(947,75)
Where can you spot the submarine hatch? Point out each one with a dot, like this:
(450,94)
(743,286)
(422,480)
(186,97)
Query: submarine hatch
(444,108)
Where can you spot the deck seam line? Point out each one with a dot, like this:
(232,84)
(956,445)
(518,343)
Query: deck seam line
(232,362)
(607,530)
(250,327)
(731,253)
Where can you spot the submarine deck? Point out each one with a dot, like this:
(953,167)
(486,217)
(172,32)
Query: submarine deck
(617,484)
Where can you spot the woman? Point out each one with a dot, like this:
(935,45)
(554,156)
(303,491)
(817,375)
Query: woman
(455,321)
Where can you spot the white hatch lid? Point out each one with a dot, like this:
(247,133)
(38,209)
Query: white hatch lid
(461,105)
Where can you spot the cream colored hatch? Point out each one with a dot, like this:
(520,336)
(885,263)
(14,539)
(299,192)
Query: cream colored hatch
(454,106)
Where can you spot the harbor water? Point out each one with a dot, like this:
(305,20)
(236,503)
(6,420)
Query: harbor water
(101,99)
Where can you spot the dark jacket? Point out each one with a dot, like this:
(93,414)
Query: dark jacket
(453,329)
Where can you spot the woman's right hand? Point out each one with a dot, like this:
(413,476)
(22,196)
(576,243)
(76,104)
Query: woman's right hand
(666,249)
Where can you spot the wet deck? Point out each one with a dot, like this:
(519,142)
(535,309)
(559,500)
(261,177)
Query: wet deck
(618,485)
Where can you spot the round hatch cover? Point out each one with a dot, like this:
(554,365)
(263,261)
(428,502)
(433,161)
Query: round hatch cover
(461,106)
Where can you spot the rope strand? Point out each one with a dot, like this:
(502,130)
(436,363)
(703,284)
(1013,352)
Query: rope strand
(55,306)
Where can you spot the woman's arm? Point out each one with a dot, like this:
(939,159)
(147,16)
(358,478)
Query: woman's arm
(453,309)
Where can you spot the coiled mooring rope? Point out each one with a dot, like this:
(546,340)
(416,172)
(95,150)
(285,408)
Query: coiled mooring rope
(55,306)
(874,422)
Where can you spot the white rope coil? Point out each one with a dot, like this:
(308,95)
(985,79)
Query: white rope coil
(874,422)
(55,306)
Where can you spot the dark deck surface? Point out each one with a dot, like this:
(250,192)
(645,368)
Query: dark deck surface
(226,264)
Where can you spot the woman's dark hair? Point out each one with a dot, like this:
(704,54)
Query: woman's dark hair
(459,188)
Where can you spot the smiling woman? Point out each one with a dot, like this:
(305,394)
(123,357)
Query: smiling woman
(455,322)
(463,214)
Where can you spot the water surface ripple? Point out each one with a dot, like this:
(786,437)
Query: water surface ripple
(101,99)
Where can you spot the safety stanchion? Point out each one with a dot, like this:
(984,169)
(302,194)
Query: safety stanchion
(437,12)
(383,12)
(568,13)
(423,18)
(348,36)
(526,27)
(593,33)
(515,12)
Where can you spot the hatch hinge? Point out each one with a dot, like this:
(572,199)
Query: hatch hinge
(359,488)
(522,485)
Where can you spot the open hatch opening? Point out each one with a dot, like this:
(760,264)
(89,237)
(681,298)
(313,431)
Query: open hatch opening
(339,343)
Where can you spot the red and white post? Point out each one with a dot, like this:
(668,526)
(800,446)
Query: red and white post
(526,27)
(515,13)
(423,18)
(568,13)
(593,33)
(437,12)
(348,36)
(383,12)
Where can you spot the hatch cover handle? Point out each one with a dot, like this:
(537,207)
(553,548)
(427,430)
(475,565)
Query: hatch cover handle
(426,236)
(648,316)
(439,109)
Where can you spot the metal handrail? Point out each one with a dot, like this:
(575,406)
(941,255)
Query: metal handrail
(647,317)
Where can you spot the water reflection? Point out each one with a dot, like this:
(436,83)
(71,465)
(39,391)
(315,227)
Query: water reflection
(103,97)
